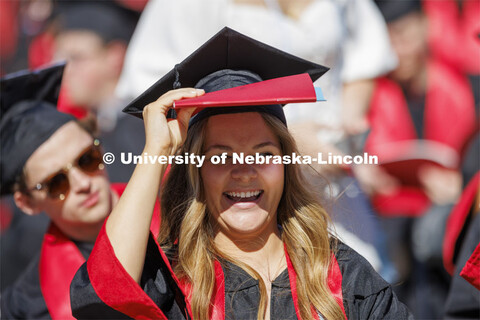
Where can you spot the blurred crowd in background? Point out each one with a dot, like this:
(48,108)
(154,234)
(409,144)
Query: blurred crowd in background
(404,84)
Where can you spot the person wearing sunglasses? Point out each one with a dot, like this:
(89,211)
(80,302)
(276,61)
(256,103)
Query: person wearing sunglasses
(50,164)
(57,185)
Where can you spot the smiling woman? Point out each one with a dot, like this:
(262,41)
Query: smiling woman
(247,213)
(243,199)
(237,241)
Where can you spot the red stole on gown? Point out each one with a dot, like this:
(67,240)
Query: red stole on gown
(456,222)
(123,294)
(59,261)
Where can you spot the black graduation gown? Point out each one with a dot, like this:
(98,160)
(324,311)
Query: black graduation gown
(41,292)
(24,299)
(102,289)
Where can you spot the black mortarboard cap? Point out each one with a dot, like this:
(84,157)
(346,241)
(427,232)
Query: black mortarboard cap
(395,9)
(39,85)
(107,19)
(28,118)
(228,78)
(232,51)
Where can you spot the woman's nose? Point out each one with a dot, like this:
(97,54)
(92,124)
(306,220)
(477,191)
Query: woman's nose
(244,172)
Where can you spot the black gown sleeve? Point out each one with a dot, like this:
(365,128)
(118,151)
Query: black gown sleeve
(365,294)
(85,302)
(158,295)
(24,299)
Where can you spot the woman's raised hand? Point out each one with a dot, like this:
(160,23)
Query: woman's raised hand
(129,223)
(164,136)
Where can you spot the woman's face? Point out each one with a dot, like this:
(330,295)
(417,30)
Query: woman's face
(242,198)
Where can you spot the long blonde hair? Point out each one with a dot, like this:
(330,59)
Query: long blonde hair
(303,220)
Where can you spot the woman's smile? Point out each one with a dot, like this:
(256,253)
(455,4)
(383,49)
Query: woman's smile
(244,199)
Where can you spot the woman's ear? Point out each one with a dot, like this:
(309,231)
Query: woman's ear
(25,203)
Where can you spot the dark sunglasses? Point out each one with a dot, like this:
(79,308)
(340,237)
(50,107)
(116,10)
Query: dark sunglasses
(57,184)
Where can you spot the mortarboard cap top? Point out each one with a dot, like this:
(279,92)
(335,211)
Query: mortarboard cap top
(226,79)
(28,118)
(247,61)
(41,85)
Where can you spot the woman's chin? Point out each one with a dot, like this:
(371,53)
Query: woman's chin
(244,222)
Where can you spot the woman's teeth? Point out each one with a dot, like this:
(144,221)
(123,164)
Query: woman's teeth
(243,195)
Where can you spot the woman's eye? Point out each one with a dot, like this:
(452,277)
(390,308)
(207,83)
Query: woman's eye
(228,158)
(221,158)
(266,153)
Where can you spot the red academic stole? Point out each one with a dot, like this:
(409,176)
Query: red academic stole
(471,270)
(456,222)
(117,289)
(334,283)
(59,261)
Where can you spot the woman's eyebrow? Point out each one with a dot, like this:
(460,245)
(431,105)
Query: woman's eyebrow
(219,146)
(265,144)
(227,148)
